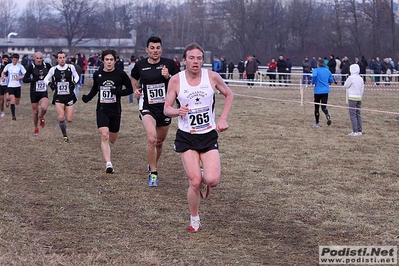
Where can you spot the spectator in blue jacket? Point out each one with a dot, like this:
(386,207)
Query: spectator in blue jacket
(217,64)
(321,79)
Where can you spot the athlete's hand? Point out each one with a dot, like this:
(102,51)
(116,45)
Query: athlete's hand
(183,110)
(222,125)
(137,93)
(85,98)
(165,72)
(52,86)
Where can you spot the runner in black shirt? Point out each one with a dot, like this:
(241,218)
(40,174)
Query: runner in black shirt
(108,81)
(34,75)
(154,73)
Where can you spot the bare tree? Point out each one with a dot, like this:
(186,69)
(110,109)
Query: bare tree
(72,19)
(249,26)
(233,28)
(35,19)
(8,17)
(376,14)
(302,26)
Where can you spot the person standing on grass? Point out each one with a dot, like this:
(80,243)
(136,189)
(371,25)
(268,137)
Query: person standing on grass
(271,71)
(355,88)
(307,70)
(196,137)
(321,79)
(251,68)
(62,79)
(3,84)
(107,83)
(38,90)
(154,73)
(13,73)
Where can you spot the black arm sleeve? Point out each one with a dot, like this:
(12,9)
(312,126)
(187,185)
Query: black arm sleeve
(127,83)
(27,76)
(94,90)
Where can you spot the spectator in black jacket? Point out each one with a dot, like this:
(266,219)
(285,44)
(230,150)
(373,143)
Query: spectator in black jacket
(224,67)
(241,68)
(345,64)
(230,68)
(365,64)
(331,66)
(281,69)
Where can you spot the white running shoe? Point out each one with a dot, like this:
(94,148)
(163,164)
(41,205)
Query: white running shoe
(3,114)
(195,226)
(316,125)
(355,134)
(109,169)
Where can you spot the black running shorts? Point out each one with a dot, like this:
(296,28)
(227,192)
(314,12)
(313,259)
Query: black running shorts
(3,90)
(35,97)
(109,119)
(14,91)
(160,118)
(199,142)
(68,100)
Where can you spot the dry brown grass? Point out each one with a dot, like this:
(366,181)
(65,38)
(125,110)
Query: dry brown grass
(286,188)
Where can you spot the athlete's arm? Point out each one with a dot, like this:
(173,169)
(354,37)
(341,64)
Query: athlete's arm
(136,89)
(219,84)
(23,71)
(75,74)
(49,75)
(3,74)
(127,83)
(27,78)
(173,90)
(94,89)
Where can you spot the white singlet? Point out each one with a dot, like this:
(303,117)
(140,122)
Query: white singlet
(200,118)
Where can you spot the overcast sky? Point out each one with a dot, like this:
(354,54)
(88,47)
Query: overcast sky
(22,3)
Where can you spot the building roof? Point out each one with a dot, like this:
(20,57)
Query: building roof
(62,42)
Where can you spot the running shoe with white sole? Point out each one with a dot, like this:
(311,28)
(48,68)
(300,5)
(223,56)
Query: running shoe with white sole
(3,114)
(194,226)
(36,132)
(109,169)
(65,139)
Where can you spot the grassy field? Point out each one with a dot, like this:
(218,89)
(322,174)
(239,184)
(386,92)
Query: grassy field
(286,187)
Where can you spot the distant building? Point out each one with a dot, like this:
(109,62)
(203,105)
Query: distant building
(30,46)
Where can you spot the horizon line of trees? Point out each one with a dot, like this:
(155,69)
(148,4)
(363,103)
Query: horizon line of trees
(229,28)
